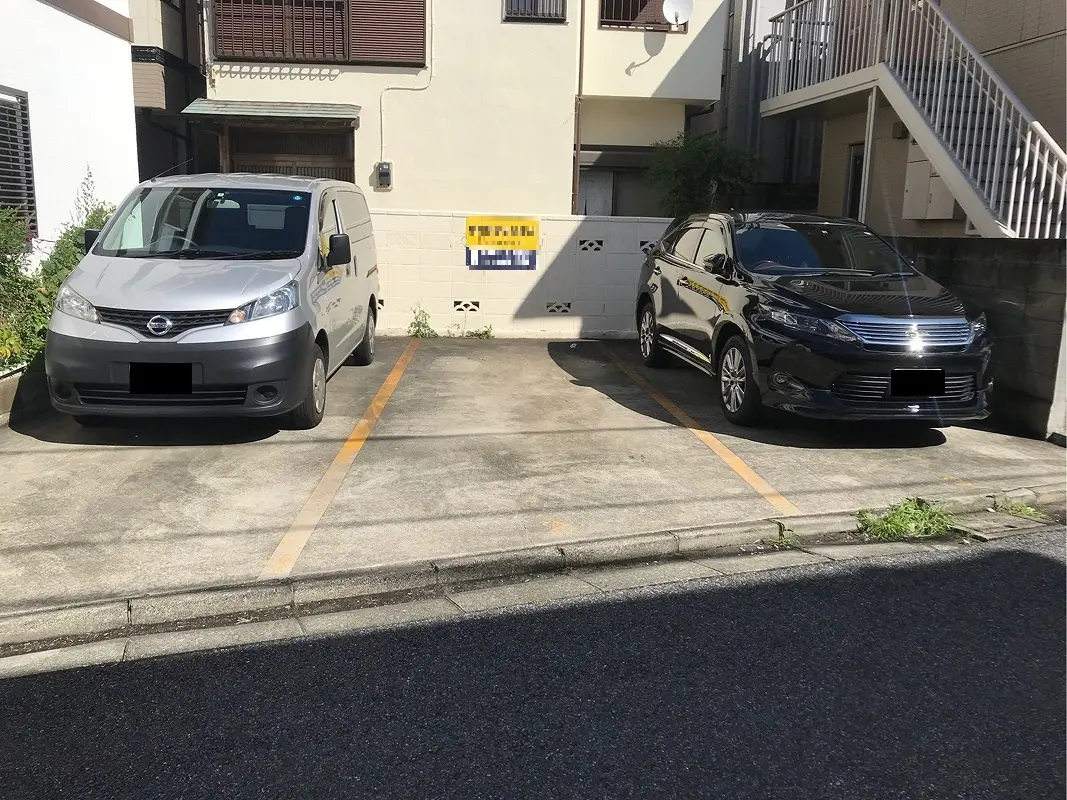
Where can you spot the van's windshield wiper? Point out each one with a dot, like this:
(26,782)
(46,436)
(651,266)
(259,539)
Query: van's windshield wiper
(268,254)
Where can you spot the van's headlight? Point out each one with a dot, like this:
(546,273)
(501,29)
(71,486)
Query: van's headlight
(70,302)
(979,326)
(277,302)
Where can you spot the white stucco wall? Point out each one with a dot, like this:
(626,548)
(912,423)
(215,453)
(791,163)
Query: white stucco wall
(630,122)
(674,66)
(80,87)
(493,127)
(588,263)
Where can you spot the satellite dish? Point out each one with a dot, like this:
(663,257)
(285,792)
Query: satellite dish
(677,12)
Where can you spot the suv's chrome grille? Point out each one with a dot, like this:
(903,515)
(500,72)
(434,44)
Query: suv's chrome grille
(181,321)
(910,334)
(867,388)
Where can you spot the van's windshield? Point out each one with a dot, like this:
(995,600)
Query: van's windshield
(187,222)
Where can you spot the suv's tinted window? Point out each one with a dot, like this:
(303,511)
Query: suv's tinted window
(714,241)
(813,248)
(686,247)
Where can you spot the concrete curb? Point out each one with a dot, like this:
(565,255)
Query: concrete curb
(373,586)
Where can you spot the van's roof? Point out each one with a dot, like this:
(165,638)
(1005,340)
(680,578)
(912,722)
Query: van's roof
(248,180)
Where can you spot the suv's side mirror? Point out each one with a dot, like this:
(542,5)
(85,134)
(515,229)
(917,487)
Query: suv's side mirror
(340,250)
(90,239)
(719,263)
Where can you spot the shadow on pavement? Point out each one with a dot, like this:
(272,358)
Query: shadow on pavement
(47,425)
(588,365)
(930,679)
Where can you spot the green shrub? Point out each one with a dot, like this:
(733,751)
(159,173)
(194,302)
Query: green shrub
(26,299)
(24,306)
(697,173)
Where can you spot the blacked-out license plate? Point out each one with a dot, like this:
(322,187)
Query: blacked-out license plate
(917,383)
(161,378)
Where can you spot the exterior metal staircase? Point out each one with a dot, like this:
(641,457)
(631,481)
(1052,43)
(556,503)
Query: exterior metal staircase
(954,103)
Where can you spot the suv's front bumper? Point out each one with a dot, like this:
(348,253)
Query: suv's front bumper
(810,381)
(243,378)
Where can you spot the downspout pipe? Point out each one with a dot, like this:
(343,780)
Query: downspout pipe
(576,166)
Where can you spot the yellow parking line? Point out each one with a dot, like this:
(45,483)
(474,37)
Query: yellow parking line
(284,558)
(729,457)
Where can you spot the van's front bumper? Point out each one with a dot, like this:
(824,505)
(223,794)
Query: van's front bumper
(242,378)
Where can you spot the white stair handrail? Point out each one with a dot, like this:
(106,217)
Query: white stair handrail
(1013,163)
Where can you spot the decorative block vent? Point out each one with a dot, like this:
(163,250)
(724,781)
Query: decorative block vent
(646,245)
(590,245)
(558,308)
(466,305)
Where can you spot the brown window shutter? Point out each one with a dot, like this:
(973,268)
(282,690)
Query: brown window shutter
(388,32)
(250,29)
(319,31)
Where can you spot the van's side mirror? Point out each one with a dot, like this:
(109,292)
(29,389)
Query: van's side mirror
(340,250)
(90,239)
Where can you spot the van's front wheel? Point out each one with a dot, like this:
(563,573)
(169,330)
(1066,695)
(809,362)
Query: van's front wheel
(364,354)
(310,412)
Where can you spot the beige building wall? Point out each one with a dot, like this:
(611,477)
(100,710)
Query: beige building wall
(656,64)
(488,126)
(630,122)
(1026,44)
(886,196)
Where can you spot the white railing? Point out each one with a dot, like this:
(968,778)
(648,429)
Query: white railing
(1013,163)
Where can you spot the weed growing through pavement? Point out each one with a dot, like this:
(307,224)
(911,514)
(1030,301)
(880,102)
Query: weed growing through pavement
(420,327)
(911,519)
(787,540)
(1019,509)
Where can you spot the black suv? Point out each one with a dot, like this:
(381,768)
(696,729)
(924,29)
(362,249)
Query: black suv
(813,315)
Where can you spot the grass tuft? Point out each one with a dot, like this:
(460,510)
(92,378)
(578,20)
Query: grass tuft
(911,519)
(1020,509)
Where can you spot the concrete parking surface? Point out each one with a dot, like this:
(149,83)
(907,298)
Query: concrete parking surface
(463,447)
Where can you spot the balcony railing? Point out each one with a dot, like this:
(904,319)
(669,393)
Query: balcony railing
(535,10)
(646,15)
(1016,167)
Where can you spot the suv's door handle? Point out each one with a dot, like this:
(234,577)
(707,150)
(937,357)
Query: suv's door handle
(683,282)
(656,269)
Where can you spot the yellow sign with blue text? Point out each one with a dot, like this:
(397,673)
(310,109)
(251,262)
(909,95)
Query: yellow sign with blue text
(502,242)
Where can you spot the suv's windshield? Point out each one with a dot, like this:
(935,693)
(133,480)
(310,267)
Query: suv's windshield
(185,222)
(811,248)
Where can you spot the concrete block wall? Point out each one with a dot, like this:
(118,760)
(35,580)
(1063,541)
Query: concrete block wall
(584,283)
(1020,284)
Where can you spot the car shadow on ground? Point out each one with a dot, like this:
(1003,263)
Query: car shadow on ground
(932,678)
(48,425)
(590,364)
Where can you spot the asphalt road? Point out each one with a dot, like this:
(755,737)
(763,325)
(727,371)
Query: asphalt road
(929,676)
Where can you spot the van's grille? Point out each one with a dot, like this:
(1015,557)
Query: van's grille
(201,396)
(904,333)
(181,321)
(867,388)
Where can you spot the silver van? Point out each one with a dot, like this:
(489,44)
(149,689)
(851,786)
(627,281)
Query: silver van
(217,295)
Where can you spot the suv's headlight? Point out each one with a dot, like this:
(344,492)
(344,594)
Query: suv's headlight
(70,302)
(277,302)
(812,325)
(979,326)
